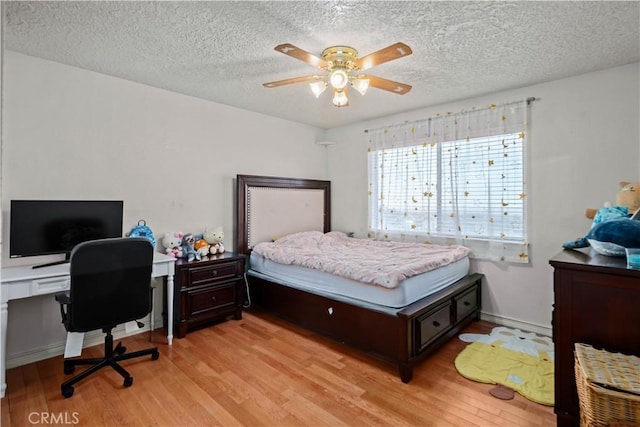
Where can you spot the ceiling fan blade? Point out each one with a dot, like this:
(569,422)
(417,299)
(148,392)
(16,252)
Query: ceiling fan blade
(381,56)
(291,81)
(389,85)
(302,55)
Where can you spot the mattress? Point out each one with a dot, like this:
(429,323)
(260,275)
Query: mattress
(410,290)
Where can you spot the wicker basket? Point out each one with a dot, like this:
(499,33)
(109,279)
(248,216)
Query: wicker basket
(608,387)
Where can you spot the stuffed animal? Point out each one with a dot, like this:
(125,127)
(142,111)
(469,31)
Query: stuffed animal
(628,195)
(202,247)
(214,238)
(611,232)
(188,248)
(173,244)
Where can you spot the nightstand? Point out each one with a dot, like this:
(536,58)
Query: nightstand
(208,291)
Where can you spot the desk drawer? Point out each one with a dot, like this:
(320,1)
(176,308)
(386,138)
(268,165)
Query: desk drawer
(50,285)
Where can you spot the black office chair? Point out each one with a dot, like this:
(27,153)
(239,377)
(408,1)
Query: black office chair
(110,285)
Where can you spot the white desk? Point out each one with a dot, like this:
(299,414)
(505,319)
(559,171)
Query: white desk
(26,282)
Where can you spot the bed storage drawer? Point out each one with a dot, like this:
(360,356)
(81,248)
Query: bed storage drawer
(433,324)
(466,303)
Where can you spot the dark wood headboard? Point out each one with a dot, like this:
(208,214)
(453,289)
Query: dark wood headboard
(270,207)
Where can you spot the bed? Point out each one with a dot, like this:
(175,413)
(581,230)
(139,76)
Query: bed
(402,325)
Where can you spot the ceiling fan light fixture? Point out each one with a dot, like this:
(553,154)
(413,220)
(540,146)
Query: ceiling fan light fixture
(341,67)
(318,87)
(361,85)
(340,98)
(339,79)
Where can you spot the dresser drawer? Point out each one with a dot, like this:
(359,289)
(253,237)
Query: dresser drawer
(210,299)
(466,303)
(432,325)
(213,273)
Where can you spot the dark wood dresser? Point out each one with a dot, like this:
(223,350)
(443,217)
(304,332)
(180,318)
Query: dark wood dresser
(208,290)
(596,301)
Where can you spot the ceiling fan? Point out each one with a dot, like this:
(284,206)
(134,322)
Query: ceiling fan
(344,68)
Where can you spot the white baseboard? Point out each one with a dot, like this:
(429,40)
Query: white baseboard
(55,349)
(517,324)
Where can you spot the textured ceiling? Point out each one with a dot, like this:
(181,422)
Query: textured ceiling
(223,51)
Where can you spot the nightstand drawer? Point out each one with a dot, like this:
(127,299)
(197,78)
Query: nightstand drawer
(466,303)
(210,299)
(213,273)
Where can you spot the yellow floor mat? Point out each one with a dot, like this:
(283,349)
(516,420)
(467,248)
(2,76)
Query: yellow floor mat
(519,360)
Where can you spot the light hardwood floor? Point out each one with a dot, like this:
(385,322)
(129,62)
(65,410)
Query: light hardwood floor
(261,371)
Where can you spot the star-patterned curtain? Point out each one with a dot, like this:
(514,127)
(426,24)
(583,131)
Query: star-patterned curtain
(457,178)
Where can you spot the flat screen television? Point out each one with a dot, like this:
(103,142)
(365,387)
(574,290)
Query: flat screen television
(46,227)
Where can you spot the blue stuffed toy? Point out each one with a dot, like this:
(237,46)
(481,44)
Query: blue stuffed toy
(611,232)
(188,248)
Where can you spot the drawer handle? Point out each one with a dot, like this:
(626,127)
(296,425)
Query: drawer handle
(214,272)
(213,298)
(436,323)
(467,303)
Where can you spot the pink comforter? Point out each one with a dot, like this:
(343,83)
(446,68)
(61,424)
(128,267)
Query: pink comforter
(381,263)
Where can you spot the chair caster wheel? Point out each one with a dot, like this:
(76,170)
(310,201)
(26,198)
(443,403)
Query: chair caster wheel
(128,381)
(155,356)
(67,391)
(120,349)
(68,369)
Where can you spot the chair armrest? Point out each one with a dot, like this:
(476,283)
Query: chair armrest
(64,299)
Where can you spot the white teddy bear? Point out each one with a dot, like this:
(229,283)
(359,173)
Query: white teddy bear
(173,244)
(214,238)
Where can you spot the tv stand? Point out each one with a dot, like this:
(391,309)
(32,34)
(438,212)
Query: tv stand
(49,264)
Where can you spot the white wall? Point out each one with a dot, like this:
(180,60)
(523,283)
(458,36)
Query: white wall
(584,139)
(73,134)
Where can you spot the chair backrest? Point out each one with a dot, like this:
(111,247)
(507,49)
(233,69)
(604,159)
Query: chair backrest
(110,283)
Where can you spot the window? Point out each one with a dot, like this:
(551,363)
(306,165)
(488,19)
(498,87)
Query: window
(457,179)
